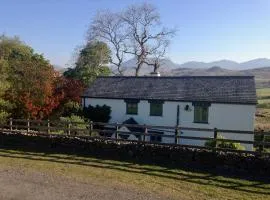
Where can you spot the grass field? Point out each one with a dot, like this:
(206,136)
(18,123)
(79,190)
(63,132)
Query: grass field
(263,92)
(263,96)
(263,110)
(170,183)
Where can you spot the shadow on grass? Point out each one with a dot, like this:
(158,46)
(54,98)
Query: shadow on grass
(255,185)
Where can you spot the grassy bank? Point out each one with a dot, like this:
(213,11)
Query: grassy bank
(263,110)
(173,183)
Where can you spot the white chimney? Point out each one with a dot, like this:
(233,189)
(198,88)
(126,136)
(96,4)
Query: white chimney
(157,74)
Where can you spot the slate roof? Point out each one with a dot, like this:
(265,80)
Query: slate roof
(216,89)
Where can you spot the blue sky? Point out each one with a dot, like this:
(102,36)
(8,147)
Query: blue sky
(208,30)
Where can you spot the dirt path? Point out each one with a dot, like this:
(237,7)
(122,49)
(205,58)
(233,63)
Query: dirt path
(17,184)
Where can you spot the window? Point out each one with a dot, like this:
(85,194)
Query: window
(132,107)
(201,112)
(156,108)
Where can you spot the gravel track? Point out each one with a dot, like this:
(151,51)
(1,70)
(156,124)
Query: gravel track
(19,184)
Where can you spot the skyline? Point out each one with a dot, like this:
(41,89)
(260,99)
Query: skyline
(207,31)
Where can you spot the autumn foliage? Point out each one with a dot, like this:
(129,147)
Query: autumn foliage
(70,88)
(35,89)
(59,92)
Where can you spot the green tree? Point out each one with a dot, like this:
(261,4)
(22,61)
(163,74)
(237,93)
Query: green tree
(92,61)
(5,105)
(31,79)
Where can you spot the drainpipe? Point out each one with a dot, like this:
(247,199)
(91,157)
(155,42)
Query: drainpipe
(176,141)
(177,115)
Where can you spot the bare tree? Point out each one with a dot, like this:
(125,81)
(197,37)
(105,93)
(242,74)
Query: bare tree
(136,31)
(146,37)
(109,27)
(157,53)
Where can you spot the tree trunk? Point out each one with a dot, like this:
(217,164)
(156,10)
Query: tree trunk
(138,69)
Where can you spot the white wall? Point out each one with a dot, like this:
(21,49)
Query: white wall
(221,116)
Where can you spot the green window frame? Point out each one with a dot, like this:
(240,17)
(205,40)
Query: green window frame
(156,109)
(131,108)
(201,114)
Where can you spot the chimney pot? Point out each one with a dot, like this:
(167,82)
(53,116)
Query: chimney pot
(157,74)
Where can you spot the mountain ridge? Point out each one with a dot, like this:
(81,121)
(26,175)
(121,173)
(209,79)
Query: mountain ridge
(168,65)
(229,64)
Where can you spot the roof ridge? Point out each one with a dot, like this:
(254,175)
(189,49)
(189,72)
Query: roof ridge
(174,77)
(222,89)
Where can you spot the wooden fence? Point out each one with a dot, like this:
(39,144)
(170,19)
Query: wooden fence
(97,130)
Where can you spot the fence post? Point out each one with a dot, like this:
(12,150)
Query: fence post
(48,126)
(145,133)
(39,125)
(10,124)
(2,133)
(176,135)
(262,145)
(215,139)
(69,126)
(2,127)
(91,128)
(28,126)
(116,133)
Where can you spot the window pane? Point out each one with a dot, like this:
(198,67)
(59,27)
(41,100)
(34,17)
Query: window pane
(156,109)
(196,114)
(205,114)
(132,108)
(201,114)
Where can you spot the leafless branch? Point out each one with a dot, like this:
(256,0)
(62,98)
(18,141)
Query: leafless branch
(109,27)
(146,39)
(136,31)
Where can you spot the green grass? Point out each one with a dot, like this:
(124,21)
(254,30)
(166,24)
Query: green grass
(172,183)
(263,110)
(263,96)
(263,92)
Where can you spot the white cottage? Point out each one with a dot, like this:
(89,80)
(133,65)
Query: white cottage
(223,102)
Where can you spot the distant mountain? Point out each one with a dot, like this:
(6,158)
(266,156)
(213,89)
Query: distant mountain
(260,68)
(212,71)
(262,75)
(228,64)
(166,66)
(59,68)
(256,63)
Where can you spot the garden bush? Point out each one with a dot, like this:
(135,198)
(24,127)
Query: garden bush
(264,105)
(76,122)
(98,113)
(224,144)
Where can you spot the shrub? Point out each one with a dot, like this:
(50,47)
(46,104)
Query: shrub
(224,144)
(77,122)
(98,113)
(72,108)
(264,105)
(67,110)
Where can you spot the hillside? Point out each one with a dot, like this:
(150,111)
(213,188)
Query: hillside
(260,68)
(166,66)
(262,75)
(212,71)
(229,64)
(59,68)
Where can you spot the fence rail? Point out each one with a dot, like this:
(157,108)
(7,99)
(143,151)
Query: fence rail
(106,130)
